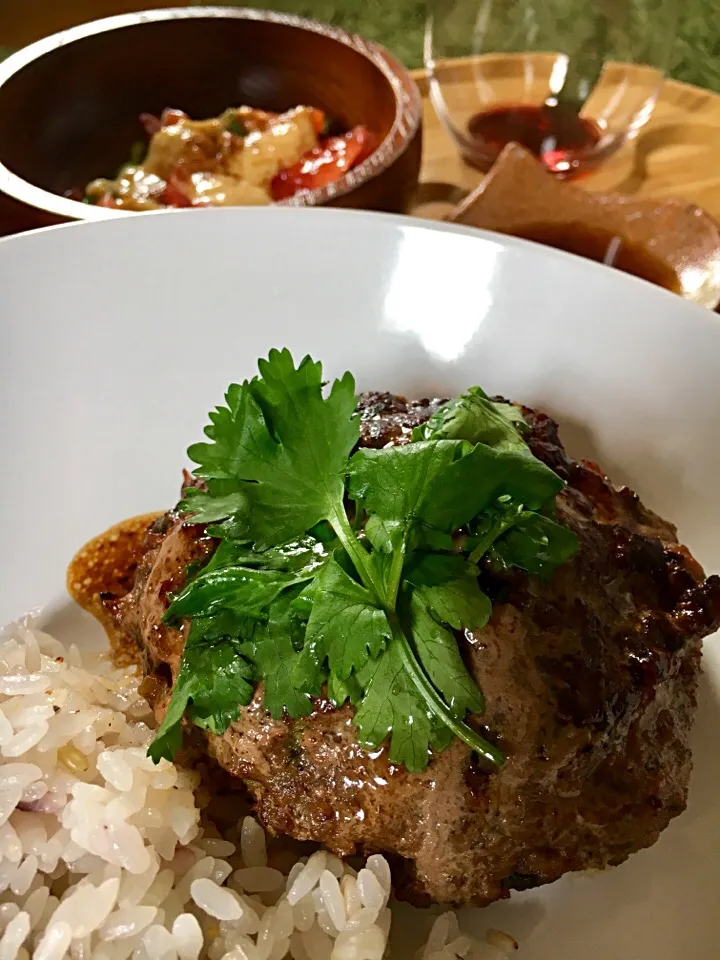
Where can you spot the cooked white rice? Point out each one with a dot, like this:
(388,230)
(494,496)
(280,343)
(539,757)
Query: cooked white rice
(104,855)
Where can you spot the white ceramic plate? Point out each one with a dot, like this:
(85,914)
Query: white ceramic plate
(118,337)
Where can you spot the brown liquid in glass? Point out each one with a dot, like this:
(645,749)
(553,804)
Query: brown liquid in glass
(556,135)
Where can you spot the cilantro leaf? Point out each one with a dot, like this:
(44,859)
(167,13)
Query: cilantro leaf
(223,624)
(442,483)
(396,483)
(384,534)
(340,691)
(490,525)
(474,481)
(305,475)
(285,445)
(346,624)
(474,417)
(206,508)
(235,431)
(302,556)
(214,681)
(302,595)
(536,544)
(276,659)
(448,586)
(227,683)
(245,591)
(392,705)
(438,652)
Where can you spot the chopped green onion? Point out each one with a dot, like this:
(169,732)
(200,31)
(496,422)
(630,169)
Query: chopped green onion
(237,127)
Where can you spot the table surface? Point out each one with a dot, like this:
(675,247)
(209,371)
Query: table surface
(677,154)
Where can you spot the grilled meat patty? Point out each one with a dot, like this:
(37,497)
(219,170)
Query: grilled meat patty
(590,682)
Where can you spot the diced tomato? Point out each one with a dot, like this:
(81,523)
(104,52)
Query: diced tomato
(324,164)
(176,192)
(151,123)
(318,118)
(170,116)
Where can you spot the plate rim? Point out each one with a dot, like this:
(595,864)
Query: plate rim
(374,220)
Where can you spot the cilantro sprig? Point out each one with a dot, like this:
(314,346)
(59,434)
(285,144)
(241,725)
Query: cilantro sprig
(350,571)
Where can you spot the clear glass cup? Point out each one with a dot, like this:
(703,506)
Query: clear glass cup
(572,80)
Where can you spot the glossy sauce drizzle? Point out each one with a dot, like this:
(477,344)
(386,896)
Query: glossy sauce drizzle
(107,565)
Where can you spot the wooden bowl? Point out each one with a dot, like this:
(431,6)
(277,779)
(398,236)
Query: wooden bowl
(668,241)
(69,104)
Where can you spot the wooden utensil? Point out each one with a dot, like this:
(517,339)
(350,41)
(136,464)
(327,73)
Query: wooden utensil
(670,241)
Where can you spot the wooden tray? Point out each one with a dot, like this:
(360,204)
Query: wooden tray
(676,155)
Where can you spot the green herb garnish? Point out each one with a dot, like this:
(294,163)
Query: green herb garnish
(137,153)
(341,569)
(237,127)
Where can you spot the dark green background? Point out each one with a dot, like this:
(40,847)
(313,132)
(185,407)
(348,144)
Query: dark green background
(399,25)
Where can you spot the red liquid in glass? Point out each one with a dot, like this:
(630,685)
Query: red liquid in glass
(556,135)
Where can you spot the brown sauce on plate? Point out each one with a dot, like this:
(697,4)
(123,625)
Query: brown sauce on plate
(604,247)
(106,566)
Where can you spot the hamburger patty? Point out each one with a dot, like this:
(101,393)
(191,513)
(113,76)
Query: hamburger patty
(590,683)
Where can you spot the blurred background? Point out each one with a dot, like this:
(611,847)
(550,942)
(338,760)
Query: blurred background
(396,23)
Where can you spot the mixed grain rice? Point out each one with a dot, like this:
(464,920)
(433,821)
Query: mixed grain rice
(104,855)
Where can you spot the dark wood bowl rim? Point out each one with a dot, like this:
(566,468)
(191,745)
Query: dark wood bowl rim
(408,103)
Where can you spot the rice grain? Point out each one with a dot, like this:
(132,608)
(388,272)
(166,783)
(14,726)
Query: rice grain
(126,922)
(88,908)
(259,879)
(159,943)
(501,941)
(252,843)
(216,901)
(14,936)
(104,856)
(332,899)
(188,937)
(24,876)
(54,943)
(307,878)
(370,890)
